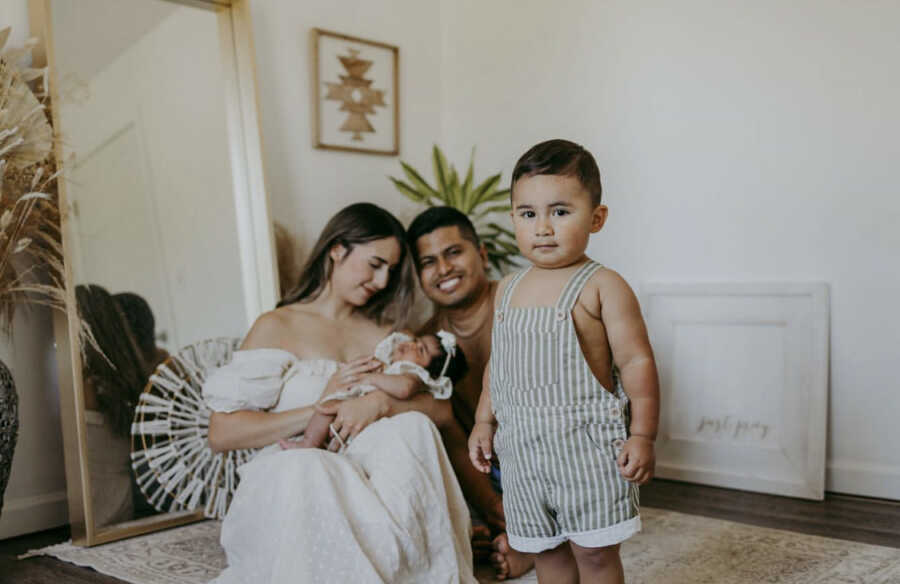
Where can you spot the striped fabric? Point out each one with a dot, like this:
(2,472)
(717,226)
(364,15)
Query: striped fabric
(559,430)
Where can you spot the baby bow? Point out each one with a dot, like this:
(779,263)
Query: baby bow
(448,342)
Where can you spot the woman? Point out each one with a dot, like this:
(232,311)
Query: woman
(388,508)
(116,370)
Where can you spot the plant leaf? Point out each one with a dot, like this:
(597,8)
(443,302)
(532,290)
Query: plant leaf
(504,230)
(33,195)
(441,172)
(22,244)
(4,34)
(420,183)
(484,190)
(467,185)
(509,247)
(453,188)
(495,197)
(407,190)
(493,209)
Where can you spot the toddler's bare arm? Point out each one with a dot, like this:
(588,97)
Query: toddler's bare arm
(630,346)
(631,352)
(481,439)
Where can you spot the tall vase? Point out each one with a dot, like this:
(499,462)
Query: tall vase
(9,426)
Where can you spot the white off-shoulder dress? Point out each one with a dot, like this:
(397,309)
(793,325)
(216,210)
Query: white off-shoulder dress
(387,509)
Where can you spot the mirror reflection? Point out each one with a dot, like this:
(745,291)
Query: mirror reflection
(152,225)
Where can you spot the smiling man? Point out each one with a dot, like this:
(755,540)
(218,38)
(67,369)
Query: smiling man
(452,268)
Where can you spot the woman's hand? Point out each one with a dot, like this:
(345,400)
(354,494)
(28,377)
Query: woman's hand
(353,415)
(350,374)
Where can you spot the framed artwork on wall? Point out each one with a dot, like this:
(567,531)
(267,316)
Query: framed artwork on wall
(355,94)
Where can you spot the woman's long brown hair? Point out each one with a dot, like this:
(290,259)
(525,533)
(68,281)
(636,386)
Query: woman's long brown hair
(353,225)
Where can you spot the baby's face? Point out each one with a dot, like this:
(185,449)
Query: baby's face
(419,351)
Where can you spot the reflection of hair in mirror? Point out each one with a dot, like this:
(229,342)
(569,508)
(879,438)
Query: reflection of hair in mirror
(357,224)
(117,377)
(143,325)
(139,316)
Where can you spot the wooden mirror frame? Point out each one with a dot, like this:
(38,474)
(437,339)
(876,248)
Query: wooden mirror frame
(255,239)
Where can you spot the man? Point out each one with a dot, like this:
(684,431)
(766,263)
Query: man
(452,268)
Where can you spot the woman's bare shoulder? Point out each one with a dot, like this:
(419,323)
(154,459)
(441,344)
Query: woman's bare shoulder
(271,328)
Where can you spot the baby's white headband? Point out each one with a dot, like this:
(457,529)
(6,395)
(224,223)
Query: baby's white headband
(448,341)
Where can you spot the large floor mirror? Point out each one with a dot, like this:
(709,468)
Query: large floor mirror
(166,228)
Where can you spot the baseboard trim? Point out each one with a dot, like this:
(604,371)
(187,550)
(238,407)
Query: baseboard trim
(863,479)
(21,515)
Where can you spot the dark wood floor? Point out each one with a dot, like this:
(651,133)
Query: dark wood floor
(855,518)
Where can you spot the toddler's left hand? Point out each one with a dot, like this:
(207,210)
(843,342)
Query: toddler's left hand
(637,460)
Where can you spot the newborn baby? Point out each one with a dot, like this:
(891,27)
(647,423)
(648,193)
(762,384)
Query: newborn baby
(431,363)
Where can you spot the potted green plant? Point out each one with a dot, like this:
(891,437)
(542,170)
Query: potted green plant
(481,202)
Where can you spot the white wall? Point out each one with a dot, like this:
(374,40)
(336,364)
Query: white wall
(307,186)
(739,141)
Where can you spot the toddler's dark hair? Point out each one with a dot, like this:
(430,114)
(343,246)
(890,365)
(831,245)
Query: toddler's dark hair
(561,158)
(456,369)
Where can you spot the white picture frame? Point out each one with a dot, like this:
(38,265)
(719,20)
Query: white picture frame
(744,384)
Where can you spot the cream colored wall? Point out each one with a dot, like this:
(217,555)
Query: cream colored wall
(307,186)
(739,141)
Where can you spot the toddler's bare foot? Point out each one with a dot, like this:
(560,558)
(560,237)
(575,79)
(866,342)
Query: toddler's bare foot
(507,562)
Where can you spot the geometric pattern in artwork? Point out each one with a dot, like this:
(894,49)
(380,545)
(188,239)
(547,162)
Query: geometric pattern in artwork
(357,95)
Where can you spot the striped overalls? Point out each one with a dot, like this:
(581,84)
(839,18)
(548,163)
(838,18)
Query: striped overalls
(559,431)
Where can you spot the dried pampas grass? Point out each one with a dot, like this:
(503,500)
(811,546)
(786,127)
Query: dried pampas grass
(31,255)
(286,252)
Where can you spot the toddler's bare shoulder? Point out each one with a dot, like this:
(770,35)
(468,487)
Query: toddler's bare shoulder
(606,279)
(603,286)
(501,286)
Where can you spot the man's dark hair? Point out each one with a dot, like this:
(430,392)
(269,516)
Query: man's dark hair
(456,368)
(561,158)
(436,217)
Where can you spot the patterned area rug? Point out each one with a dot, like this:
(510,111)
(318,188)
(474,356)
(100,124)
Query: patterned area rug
(674,548)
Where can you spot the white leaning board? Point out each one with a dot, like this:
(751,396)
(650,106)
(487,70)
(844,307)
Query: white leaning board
(744,384)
